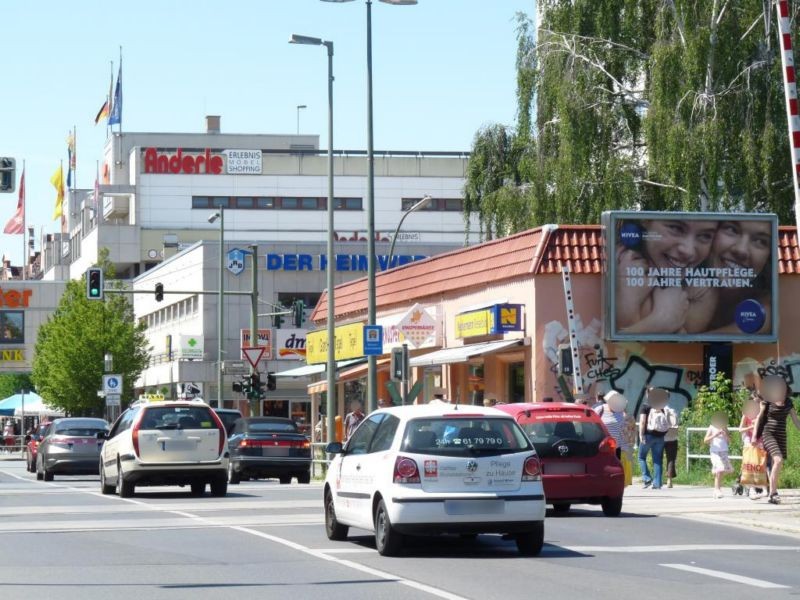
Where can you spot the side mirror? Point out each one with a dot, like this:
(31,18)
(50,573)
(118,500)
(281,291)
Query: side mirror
(102,435)
(334,448)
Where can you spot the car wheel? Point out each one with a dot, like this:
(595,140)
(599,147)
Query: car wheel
(284,479)
(612,506)
(105,489)
(46,475)
(39,474)
(219,487)
(304,477)
(198,489)
(387,540)
(234,477)
(530,543)
(333,529)
(125,489)
(561,508)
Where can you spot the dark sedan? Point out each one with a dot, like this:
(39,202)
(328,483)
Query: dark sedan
(264,447)
(70,447)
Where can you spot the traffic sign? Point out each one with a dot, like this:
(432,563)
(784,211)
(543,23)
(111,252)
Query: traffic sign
(112,384)
(253,354)
(234,367)
(235,261)
(113,400)
(373,340)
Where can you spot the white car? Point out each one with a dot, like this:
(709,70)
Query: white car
(165,443)
(436,468)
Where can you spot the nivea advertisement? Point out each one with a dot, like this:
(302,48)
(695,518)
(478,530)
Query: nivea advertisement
(691,276)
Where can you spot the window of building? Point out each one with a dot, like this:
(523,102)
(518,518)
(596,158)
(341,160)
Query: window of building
(454,204)
(266,202)
(348,204)
(221,201)
(201,202)
(281,203)
(12,327)
(244,202)
(309,203)
(436,204)
(290,203)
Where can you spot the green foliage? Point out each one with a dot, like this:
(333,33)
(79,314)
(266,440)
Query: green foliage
(13,383)
(721,398)
(68,363)
(653,104)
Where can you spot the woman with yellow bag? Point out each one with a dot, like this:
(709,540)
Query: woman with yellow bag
(621,427)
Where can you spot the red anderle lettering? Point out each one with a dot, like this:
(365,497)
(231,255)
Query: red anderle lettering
(15,298)
(203,164)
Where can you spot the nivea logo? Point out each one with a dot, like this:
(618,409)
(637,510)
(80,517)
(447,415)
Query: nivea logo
(630,235)
(750,316)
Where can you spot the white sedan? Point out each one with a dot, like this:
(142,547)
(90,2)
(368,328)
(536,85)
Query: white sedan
(437,468)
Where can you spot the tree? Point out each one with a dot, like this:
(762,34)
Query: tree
(68,363)
(14,383)
(654,104)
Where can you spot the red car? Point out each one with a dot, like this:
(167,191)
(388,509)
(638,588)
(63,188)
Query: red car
(33,445)
(579,458)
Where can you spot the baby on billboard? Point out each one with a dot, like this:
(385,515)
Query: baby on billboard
(678,275)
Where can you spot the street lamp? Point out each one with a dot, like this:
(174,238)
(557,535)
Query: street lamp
(212,218)
(330,405)
(299,108)
(426,199)
(372,309)
(108,362)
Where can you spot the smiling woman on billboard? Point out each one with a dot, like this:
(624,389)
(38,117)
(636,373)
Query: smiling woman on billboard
(691,275)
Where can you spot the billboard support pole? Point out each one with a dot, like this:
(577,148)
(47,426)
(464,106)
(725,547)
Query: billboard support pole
(790,94)
(573,330)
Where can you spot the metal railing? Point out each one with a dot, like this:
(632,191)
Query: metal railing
(18,446)
(690,456)
(319,460)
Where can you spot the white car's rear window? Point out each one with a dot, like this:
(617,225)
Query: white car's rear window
(464,436)
(177,417)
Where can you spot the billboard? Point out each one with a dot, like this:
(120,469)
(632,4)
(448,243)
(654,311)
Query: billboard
(677,277)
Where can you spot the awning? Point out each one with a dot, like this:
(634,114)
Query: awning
(349,375)
(307,370)
(460,354)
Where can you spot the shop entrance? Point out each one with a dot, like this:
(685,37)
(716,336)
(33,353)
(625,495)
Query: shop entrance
(516,382)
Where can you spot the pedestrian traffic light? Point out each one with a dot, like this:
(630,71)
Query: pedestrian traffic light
(298,313)
(159,292)
(8,175)
(94,283)
(272,383)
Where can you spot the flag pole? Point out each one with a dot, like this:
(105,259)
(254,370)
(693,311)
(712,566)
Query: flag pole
(75,156)
(109,97)
(120,92)
(25,255)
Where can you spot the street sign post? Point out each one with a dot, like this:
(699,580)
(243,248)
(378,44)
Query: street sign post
(373,340)
(253,354)
(234,367)
(113,400)
(112,384)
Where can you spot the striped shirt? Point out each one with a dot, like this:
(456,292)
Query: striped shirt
(615,423)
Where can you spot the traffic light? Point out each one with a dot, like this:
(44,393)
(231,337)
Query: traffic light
(399,364)
(237,386)
(159,292)
(8,175)
(94,283)
(565,366)
(277,320)
(298,313)
(272,383)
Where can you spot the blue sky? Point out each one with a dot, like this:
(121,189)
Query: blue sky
(442,69)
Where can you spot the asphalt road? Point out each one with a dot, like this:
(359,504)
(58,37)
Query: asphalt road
(65,540)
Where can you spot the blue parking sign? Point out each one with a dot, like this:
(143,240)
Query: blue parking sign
(373,340)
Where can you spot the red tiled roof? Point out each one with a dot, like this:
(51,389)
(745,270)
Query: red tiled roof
(544,250)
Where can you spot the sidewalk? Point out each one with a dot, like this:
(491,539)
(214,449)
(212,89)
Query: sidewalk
(697,503)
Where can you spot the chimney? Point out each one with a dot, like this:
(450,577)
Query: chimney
(212,123)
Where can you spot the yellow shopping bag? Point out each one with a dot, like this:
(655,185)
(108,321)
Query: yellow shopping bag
(627,468)
(754,466)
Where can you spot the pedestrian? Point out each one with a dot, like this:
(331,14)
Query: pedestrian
(353,418)
(599,401)
(771,427)
(319,430)
(671,445)
(653,426)
(617,421)
(718,438)
(747,425)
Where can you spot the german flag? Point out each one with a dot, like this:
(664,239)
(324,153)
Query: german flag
(102,113)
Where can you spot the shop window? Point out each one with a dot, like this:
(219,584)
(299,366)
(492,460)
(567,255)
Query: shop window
(12,327)
(476,384)
(516,382)
(266,203)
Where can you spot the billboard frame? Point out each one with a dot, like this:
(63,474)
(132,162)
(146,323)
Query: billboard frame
(609,221)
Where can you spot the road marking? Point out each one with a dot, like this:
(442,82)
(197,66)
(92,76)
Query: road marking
(345,550)
(759,583)
(677,548)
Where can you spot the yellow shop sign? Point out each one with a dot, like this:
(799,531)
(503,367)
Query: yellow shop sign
(349,344)
(493,320)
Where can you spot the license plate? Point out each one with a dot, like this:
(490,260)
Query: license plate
(474,507)
(178,445)
(275,451)
(564,468)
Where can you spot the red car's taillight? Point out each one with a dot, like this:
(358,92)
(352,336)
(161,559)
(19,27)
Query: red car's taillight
(608,446)
(405,470)
(532,470)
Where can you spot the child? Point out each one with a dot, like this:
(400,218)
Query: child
(718,438)
(746,429)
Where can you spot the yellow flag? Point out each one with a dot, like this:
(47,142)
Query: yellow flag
(58,182)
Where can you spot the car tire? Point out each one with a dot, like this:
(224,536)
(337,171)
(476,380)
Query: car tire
(561,508)
(46,475)
(387,540)
(612,507)
(105,488)
(333,529)
(234,477)
(530,543)
(285,479)
(304,477)
(198,489)
(219,487)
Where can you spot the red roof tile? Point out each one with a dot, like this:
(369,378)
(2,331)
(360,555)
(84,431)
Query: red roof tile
(544,250)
